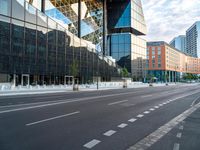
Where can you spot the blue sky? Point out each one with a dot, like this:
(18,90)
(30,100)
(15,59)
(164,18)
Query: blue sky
(166,19)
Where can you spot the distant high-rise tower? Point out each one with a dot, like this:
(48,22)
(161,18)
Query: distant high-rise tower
(179,43)
(193,40)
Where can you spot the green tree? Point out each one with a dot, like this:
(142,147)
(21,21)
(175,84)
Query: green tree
(124,72)
(150,77)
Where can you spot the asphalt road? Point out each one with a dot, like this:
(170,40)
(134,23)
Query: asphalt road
(99,120)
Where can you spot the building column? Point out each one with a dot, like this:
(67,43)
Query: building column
(79,18)
(43,6)
(14,80)
(169,76)
(104,28)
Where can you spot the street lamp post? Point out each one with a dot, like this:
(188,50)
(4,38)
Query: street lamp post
(97,73)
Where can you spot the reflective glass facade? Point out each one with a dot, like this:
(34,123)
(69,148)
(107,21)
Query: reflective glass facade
(125,24)
(42,48)
(193,40)
(179,43)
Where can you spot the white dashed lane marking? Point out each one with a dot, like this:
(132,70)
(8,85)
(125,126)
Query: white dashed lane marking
(156,106)
(179,135)
(132,120)
(109,133)
(176,146)
(91,144)
(151,109)
(146,112)
(123,125)
(140,116)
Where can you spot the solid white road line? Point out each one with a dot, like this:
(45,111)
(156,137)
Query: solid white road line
(179,135)
(194,101)
(176,146)
(65,102)
(123,125)
(109,133)
(146,96)
(146,112)
(152,138)
(132,120)
(91,144)
(53,118)
(118,102)
(140,116)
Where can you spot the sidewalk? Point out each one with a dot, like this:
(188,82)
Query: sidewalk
(65,88)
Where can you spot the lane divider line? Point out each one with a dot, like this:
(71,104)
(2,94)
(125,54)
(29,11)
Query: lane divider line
(176,146)
(123,125)
(132,120)
(53,118)
(179,135)
(140,116)
(152,138)
(91,144)
(109,133)
(146,112)
(118,102)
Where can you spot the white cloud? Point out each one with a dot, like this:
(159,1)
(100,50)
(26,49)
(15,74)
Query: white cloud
(166,19)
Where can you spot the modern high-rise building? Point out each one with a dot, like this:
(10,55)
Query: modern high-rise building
(193,40)
(126,24)
(41,39)
(179,43)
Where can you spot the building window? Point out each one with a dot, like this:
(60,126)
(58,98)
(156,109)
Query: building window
(5,7)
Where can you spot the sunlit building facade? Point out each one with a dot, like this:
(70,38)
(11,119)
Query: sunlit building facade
(125,26)
(41,39)
(167,63)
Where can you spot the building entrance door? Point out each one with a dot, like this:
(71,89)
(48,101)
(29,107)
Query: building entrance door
(68,80)
(25,80)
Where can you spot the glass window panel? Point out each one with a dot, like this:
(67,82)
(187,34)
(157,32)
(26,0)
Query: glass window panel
(51,24)
(42,19)
(17,37)
(30,39)
(127,48)
(114,48)
(121,38)
(114,39)
(30,13)
(18,9)
(121,47)
(4,26)
(5,7)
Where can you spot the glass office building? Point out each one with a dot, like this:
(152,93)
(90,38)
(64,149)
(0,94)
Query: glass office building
(41,39)
(125,26)
(179,43)
(193,40)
